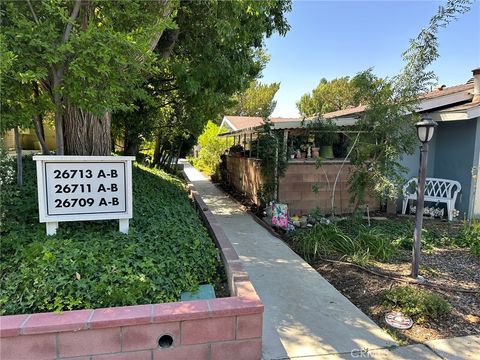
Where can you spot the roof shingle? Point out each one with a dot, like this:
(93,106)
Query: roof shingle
(245,122)
(447,91)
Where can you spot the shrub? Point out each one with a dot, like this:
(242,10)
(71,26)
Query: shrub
(398,232)
(421,304)
(90,264)
(8,186)
(212,147)
(323,240)
(7,166)
(359,245)
(469,236)
(376,243)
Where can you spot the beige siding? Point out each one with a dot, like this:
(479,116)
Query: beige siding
(29,139)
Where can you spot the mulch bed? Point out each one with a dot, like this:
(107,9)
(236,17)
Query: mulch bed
(447,267)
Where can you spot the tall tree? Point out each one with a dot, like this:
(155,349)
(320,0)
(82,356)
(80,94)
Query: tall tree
(217,51)
(20,104)
(386,133)
(328,96)
(389,119)
(90,56)
(257,100)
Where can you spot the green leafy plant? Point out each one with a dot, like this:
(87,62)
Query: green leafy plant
(399,233)
(8,184)
(355,241)
(316,214)
(469,236)
(322,241)
(212,147)
(273,163)
(376,244)
(421,304)
(326,132)
(90,264)
(352,240)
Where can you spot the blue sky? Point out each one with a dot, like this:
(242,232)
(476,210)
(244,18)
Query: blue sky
(341,38)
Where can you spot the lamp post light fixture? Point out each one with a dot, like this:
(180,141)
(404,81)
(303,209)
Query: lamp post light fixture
(425,130)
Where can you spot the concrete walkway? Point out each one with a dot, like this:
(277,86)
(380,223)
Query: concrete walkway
(305,317)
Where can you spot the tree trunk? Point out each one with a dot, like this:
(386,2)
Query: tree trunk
(179,151)
(85,133)
(131,148)
(57,100)
(38,123)
(131,140)
(157,154)
(18,148)
(39,131)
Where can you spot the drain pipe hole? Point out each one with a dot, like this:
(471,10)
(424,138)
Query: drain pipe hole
(165,341)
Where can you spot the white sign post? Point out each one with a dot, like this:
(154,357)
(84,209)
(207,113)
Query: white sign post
(80,188)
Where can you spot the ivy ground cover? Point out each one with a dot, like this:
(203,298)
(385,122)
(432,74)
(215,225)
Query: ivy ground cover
(90,264)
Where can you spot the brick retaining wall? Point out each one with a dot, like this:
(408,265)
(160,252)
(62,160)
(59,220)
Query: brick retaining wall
(297,184)
(244,175)
(216,329)
(295,188)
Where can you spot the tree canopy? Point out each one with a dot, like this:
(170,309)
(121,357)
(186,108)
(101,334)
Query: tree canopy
(211,148)
(257,100)
(91,55)
(216,51)
(177,61)
(328,96)
(392,104)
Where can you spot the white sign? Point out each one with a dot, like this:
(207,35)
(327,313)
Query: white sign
(79,188)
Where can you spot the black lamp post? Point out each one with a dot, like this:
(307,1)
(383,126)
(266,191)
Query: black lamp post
(425,130)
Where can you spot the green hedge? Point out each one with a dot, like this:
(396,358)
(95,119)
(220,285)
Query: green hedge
(90,264)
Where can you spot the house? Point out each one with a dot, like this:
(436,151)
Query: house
(235,123)
(296,187)
(454,152)
(29,139)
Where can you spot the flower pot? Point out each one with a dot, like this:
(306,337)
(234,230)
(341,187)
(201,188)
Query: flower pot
(326,151)
(315,152)
(303,154)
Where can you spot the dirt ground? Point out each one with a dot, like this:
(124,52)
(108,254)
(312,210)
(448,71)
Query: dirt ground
(445,267)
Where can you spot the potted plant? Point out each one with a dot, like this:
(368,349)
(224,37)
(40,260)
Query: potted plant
(291,152)
(327,136)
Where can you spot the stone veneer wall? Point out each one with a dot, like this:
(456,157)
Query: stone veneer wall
(216,329)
